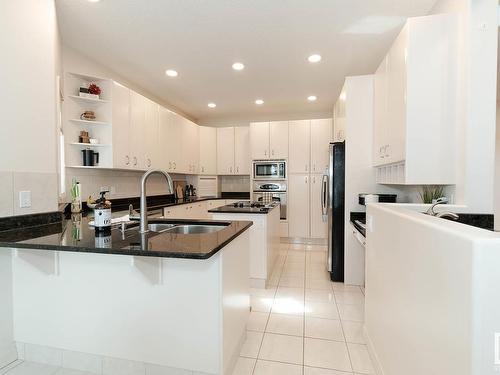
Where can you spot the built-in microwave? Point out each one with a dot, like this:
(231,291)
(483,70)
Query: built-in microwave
(269,169)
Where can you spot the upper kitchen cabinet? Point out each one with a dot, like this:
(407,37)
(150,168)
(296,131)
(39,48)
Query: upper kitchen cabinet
(339,118)
(137,130)
(208,150)
(259,140)
(415,106)
(241,150)
(233,151)
(321,135)
(121,126)
(225,151)
(278,139)
(151,152)
(299,140)
(190,147)
(269,140)
(169,133)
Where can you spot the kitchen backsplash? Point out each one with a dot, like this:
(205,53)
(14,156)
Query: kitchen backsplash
(234,183)
(121,184)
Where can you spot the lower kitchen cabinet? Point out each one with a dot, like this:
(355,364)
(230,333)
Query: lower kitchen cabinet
(318,226)
(298,205)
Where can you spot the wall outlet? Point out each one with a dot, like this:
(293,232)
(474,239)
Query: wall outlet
(25,199)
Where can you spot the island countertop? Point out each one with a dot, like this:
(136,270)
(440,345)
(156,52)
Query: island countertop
(74,234)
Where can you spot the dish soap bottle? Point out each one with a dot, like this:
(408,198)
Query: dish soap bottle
(102,214)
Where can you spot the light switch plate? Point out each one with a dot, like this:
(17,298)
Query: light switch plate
(25,199)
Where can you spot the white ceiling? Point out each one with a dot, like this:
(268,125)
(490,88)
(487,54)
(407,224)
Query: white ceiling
(201,39)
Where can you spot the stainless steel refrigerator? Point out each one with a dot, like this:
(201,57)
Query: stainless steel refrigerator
(333,202)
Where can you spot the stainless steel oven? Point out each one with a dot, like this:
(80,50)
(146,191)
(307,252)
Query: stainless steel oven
(271,191)
(269,170)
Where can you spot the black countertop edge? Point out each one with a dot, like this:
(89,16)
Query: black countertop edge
(55,230)
(30,220)
(230,209)
(358,216)
(243,195)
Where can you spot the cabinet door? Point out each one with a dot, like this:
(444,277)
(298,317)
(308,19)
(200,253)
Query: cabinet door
(259,140)
(137,133)
(380,114)
(339,118)
(194,150)
(151,150)
(299,146)
(208,150)
(321,134)
(278,139)
(318,227)
(242,159)
(121,126)
(225,151)
(168,140)
(298,205)
(396,97)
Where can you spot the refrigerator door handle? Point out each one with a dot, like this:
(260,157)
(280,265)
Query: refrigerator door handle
(324,198)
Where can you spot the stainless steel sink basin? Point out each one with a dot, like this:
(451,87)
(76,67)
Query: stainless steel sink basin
(195,229)
(160,227)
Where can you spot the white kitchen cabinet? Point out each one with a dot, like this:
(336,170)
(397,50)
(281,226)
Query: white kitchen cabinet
(339,118)
(225,151)
(321,135)
(269,140)
(121,126)
(415,105)
(259,140)
(169,134)
(190,147)
(208,150)
(241,151)
(298,205)
(299,136)
(318,226)
(137,133)
(151,151)
(278,139)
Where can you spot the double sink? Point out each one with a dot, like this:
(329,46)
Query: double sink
(183,228)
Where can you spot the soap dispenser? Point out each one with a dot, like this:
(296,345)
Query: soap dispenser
(102,214)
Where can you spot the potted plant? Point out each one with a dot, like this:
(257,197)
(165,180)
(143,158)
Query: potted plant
(430,193)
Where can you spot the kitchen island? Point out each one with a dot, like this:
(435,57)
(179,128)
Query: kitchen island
(163,301)
(264,236)
(432,303)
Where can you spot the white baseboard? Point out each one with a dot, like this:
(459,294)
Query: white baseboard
(8,354)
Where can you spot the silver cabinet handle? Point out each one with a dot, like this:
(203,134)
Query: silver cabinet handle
(127,158)
(149,162)
(135,161)
(306,179)
(203,169)
(273,152)
(314,179)
(175,165)
(169,165)
(314,167)
(265,152)
(237,169)
(231,169)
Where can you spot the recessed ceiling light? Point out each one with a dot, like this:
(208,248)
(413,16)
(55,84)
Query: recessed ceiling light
(314,58)
(212,105)
(171,73)
(259,102)
(238,66)
(312,98)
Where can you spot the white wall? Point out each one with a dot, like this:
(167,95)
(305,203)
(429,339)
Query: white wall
(7,347)
(30,53)
(476,91)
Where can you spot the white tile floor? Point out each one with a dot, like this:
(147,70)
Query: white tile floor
(304,324)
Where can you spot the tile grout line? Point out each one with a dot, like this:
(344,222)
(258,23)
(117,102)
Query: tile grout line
(342,328)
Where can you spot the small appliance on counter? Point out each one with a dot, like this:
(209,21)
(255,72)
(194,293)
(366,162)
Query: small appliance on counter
(90,158)
(365,198)
(102,214)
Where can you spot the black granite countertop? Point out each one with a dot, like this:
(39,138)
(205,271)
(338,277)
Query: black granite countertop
(74,234)
(231,209)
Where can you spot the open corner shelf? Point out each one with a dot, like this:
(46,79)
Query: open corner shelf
(89,122)
(89,144)
(88,100)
